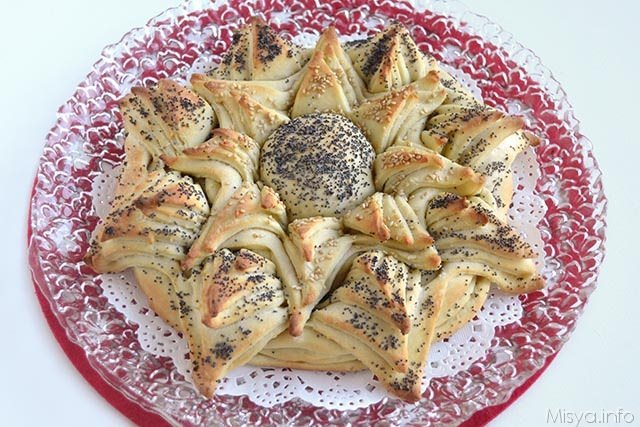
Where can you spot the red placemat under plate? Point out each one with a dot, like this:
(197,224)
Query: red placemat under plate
(103,345)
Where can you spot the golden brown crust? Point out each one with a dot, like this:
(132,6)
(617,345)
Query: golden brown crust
(164,212)
(318,250)
(404,157)
(399,116)
(472,240)
(477,226)
(395,309)
(367,315)
(166,118)
(478,136)
(389,223)
(257,52)
(406,169)
(303,230)
(371,307)
(226,161)
(249,207)
(328,82)
(155,216)
(225,146)
(369,218)
(387,218)
(254,108)
(389,60)
(231,285)
(253,218)
(229,311)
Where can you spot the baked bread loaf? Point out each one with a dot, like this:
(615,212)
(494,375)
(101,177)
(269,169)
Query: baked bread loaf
(334,208)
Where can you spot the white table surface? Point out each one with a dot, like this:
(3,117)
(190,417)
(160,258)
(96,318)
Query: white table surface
(592,50)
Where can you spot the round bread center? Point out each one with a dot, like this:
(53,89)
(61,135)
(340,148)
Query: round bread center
(320,164)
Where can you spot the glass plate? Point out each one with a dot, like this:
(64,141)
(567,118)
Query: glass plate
(86,138)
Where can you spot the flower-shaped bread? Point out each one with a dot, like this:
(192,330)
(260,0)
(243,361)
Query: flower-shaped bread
(339,207)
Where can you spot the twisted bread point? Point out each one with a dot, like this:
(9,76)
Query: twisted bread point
(328,82)
(250,208)
(386,318)
(257,52)
(476,135)
(496,168)
(166,118)
(318,251)
(253,218)
(407,169)
(151,223)
(389,60)
(399,116)
(254,108)
(226,161)
(229,311)
(471,239)
(464,293)
(389,223)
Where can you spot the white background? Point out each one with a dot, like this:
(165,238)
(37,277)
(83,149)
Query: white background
(592,48)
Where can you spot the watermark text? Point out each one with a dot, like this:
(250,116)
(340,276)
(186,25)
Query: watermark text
(583,418)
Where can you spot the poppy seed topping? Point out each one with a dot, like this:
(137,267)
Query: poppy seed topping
(320,164)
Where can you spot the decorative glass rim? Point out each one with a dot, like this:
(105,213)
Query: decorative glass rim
(55,178)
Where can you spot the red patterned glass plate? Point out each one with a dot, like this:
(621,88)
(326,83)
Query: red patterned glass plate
(87,135)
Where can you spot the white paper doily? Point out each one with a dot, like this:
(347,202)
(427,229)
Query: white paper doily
(333,390)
